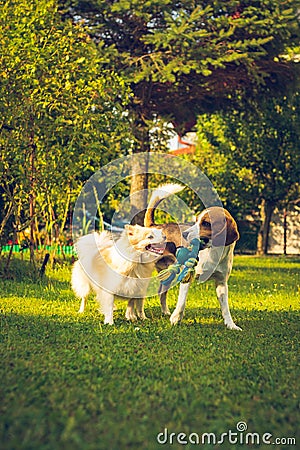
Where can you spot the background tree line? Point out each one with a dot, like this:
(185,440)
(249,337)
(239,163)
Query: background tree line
(253,155)
(61,117)
(86,81)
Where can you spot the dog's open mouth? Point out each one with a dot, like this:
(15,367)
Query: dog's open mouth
(158,249)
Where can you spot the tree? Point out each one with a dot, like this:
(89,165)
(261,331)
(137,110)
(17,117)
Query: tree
(60,113)
(183,58)
(252,156)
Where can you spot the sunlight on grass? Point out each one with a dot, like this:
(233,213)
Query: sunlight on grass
(68,381)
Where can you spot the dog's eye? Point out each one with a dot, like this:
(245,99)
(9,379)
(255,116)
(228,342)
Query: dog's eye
(205,223)
(150,236)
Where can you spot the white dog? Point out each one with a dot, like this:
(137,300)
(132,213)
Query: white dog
(122,268)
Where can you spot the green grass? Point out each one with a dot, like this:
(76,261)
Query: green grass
(69,382)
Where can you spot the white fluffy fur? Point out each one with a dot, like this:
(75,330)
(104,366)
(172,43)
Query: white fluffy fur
(123,268)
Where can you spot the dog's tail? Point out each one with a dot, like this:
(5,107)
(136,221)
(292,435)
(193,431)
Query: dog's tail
(157,196)
(88,249)
(91,244)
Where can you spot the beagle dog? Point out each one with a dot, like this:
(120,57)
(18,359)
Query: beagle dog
(216,227)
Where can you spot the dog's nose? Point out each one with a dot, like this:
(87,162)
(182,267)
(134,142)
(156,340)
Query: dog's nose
(185,234)
(171,247)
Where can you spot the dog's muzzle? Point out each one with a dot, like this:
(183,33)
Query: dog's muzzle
(158,249)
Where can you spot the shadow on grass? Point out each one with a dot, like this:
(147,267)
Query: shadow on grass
(271,270)
(91,384)
(272,263)
(42,327)
(22,271)
(37,287)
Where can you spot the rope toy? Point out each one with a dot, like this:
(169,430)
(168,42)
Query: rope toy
(183,270)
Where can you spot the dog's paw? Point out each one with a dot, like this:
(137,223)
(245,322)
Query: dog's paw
(142,316)
(175,318)
(108,322)
(166,312)
(233,326)
(130,316)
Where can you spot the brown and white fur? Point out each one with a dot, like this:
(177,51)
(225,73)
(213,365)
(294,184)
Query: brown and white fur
(218,228)
(173,232)
(120,268)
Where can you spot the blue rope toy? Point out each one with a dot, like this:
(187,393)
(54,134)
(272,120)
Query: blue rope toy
(183,269)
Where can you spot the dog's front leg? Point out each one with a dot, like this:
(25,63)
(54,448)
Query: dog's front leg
(139,306)
(130,314)
(162,292)
(222,294)
(179,310)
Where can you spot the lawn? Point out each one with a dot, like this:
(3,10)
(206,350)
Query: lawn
(69,382)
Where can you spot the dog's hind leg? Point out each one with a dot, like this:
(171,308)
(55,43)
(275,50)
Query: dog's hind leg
(82,305)
(163,292)
(222,294)
(106,302)
(80,284)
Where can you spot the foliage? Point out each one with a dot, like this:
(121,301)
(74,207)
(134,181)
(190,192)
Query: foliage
(253,152)
(69,382)
(183,56)
(61,111)
(252,155)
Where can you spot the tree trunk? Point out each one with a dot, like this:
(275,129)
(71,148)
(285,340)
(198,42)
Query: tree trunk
(284,231)
(139,181)
(266,211)
(32,149)
(5,219)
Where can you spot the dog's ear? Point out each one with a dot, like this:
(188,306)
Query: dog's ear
(129,229)
(232,234)
(222,224)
